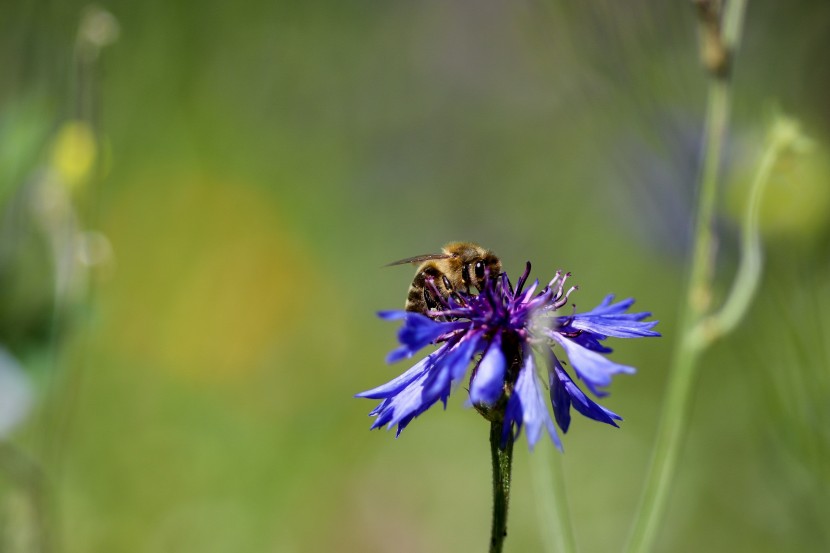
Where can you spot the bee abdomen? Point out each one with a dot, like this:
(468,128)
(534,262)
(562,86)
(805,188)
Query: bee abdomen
(420,298)
(415,299)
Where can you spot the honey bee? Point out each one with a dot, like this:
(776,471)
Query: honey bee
(460,266)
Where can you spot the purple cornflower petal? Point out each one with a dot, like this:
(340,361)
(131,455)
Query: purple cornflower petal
(610,320)
(526,405)
(451,367)
(395,385)
(591,366)
(392,315)
(404,406)
(560,400)
(564,393)
(488,384)
(589,341)
(417,332)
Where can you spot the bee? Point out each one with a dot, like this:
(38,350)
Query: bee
(460,266)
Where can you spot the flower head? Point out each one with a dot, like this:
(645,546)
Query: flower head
(502,331)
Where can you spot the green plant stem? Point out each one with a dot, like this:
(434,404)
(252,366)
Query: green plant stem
(697,301)
(674,416)
(783,136)
(502,460)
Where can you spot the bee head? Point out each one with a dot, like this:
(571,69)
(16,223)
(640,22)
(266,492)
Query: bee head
(487,266)
(477,263)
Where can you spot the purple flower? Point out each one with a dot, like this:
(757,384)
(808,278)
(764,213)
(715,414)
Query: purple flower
(502,331)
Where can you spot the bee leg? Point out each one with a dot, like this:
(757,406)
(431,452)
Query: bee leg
(447,284)
(451,293)
(429,300)
(432,304)
(465,277)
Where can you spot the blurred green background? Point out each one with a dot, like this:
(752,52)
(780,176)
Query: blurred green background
(196,199)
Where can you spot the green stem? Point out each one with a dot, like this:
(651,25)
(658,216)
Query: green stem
(502,459)
(697,301)
(698,292)
(784,135)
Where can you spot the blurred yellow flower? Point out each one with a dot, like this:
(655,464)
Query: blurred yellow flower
(74,151)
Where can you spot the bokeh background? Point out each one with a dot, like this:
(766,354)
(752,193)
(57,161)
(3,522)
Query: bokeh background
(196,199)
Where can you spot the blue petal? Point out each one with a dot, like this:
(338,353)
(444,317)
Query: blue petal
(470,345)
(415,391)
(488,383)
(418,331)
(592,342)
(608,319)
(566,387)
(560,400)
(451,367)
(436,382)
(397,384)
(410,402)
(615,326)
(381,407)
(406,405)
(591,367)
(392,315)
(526,406)
(527,293)
(607,308)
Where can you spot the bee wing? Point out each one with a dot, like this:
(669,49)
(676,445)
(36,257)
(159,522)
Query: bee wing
(419,259)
